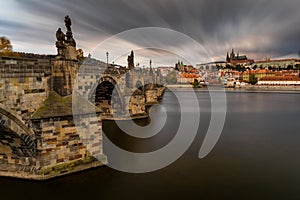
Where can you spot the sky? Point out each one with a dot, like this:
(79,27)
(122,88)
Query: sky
(164,31)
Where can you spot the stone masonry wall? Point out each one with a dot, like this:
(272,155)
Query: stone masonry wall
(24,84)
(14,67)
(23,97)
(15,154)
(64,73)
(151,96)
(137,106)
(61,141)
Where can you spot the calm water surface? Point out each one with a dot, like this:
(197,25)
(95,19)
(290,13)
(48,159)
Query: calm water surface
(256,157)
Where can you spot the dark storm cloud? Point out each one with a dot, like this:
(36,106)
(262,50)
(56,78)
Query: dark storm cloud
(258,28)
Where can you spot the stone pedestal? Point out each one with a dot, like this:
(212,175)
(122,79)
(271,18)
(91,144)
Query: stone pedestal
(71,52)
(64,73)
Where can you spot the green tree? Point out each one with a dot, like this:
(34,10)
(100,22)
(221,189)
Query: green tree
(228,66)
(253,79)
(289,67)
(240,68)
(196,83)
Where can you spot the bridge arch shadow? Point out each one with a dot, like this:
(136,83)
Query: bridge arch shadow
(139,85)
(12,122)
(103,96)
(16,140)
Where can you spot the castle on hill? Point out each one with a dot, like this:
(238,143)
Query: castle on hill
(236,59)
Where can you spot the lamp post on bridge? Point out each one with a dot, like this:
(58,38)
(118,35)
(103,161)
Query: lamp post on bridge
(107,54)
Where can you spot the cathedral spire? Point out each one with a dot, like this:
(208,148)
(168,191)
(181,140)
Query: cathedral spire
(232,55)
(227,57)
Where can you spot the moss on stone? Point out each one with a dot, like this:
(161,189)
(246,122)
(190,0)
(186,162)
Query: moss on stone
(53,106)
(65,166)
(57,106)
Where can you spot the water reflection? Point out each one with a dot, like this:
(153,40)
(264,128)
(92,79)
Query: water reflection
(257,157)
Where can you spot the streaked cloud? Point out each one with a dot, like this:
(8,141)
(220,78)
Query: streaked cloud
(257,28)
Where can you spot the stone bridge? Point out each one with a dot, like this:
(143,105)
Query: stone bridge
(39,136)
(118,92)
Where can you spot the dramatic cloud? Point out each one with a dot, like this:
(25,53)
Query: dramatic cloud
(258,28)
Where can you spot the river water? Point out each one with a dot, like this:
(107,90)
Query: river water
(256,157)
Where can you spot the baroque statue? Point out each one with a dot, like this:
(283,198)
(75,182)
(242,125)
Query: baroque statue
(65,43)
(60,43)
(68,23)
(60,37)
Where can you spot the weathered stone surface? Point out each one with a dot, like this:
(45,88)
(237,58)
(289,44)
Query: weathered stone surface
(63,144)
(24,85)
(151,96)
(63,76)
(63,140)
(51,123)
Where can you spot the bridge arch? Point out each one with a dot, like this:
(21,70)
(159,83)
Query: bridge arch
(10,123)
(13,123)
(139,85)
(102,95)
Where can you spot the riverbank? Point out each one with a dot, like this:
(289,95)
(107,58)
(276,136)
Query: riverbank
(273,87)
(180,86)
(52,171)
(246,87)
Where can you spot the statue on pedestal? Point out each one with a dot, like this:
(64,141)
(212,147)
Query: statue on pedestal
(65,43)
(68,23)
(69,33)
(130,60)
(60,43)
